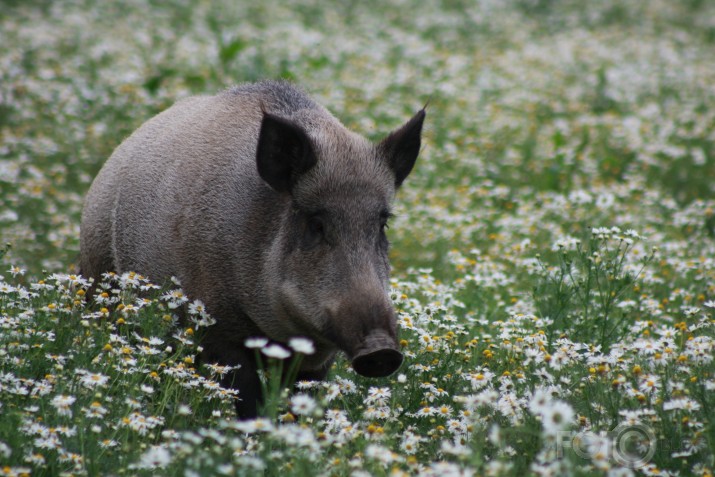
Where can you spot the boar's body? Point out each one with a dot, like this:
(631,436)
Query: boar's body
(267,209)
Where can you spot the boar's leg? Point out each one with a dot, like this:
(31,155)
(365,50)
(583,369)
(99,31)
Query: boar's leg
(244,379)
(315,374)
(311,375)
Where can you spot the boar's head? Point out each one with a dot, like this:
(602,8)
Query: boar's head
(328,266)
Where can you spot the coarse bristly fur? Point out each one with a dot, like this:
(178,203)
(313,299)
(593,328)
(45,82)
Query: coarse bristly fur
(271,212)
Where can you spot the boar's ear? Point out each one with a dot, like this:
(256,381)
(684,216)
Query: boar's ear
(284,152)
(402,146)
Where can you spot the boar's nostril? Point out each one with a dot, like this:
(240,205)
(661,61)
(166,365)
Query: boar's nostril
(378,363)
(377,355)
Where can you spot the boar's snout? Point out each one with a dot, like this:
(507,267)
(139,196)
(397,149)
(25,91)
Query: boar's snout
(364,326)
(377,355)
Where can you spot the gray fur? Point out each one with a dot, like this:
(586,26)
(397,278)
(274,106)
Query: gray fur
(182,197)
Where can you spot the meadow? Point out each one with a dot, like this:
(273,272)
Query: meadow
(553,252)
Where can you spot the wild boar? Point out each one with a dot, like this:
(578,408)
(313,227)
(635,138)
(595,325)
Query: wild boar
(271,212)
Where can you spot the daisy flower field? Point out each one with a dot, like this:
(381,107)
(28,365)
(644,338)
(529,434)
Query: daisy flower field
(553,251)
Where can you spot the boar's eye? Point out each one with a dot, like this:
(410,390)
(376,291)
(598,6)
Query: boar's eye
(314,231)
(384,225)
(384,218)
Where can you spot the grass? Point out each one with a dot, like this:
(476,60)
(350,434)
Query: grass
(552,251)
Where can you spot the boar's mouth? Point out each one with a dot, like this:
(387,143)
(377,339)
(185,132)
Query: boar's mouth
(377,355)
